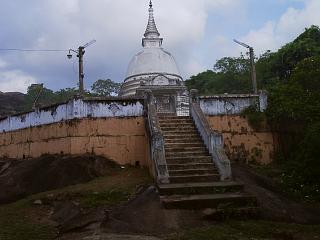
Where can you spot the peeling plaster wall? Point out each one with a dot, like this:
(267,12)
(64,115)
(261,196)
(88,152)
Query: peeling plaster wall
(116,129)
(123,140)
(232,104)
(242,142)
(75,109)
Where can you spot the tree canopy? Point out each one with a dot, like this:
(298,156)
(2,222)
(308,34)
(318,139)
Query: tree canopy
(229,75)
(291,75)
(105,87)
(41,96)
(232,74)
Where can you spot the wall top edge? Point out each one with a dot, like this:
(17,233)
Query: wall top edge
(230,96)
(112,99)
(85,99)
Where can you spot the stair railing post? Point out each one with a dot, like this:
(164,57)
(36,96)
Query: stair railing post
(212,139)
(157,140)
(194,96)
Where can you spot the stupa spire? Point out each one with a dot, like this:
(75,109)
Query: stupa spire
(151,31)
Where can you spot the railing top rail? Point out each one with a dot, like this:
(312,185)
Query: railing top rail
(212,139)
(157,140)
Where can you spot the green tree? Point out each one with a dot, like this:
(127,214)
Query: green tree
(296,103)
(297,100)
(40,94)
(229,75)
(105,87)
(283,62)
(65,94)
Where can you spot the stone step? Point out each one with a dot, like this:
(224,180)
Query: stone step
(189,172)
(196,140)
(217,201)
(200,188)
(190,166)
(198,153)
(181,132)
(188,159)
(186,149)
(185,137)
(176,119)
(178,128)
(194,178)
(175,123)
(184,145)
(170,117)
(180,135)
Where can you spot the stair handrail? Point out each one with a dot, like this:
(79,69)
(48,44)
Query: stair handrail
(212,139)
(158,155)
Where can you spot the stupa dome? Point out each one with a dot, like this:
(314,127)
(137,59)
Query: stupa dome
(152,60)
(151,66)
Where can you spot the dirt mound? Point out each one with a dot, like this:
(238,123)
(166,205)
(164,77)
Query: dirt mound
(143,215)
(20,178)
(146,215)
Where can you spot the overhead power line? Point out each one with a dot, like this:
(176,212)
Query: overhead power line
(33,50)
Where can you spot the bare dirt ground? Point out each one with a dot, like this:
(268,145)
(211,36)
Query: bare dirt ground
(142,216)
(145,216)
(273,203)
(121,204)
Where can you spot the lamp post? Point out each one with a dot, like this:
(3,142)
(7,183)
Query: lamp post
(80,53)
(253,66)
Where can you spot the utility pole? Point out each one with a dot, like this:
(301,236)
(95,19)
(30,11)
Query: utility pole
(80,53)
(81,74)
(253,66)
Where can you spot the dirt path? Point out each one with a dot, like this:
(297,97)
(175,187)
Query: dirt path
(109,236)
(143,216)
(121,237)
(274,205)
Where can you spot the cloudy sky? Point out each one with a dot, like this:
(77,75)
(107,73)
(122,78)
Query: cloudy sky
(196,32)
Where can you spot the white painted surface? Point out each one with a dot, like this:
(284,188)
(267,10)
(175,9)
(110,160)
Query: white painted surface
(230,104)
(72,110)
(263,101)
(152,65)
(152,60)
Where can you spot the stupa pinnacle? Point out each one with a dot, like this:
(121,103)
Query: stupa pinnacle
(152,66)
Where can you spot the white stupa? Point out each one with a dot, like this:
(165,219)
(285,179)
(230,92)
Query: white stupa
(153,66)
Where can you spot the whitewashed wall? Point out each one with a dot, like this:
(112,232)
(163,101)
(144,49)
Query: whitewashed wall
(232,104)
(72,110)
(75,109)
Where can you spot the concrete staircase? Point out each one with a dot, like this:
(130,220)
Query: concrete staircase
(194,179)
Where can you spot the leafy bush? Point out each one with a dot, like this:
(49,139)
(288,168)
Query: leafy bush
(254,117)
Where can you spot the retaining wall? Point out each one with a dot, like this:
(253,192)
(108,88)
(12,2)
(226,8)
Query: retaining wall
(115,128)
(123,140)
(242,142)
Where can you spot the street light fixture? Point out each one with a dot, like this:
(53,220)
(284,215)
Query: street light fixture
(80,52)
(253,67)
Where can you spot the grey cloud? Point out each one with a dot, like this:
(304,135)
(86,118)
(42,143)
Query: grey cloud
(117,26)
